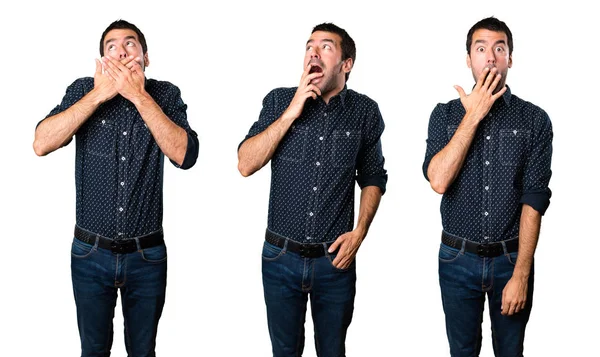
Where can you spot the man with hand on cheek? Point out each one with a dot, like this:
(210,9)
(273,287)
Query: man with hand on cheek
(489,154)
(124,124)
(321,138)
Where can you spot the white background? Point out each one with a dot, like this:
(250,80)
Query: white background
(225,57)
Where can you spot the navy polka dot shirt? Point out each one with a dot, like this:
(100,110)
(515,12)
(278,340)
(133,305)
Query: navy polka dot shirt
(119,166)
(314,169)
(508,164)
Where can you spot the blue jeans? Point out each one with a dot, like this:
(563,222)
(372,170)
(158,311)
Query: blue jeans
(465,279)
(97,275)
(288,280)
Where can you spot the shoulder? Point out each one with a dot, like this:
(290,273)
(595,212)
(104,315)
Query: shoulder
(528,109)
(360,99)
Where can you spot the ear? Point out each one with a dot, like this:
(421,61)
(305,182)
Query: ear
(348,64)
(146,60)
(510,61)
(468,60)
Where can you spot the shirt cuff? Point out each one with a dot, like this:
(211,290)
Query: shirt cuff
(379,181)
(538,199)
(191,152)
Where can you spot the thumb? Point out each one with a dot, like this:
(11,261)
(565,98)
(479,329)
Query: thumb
(335,245)
(460,91)
(98,67)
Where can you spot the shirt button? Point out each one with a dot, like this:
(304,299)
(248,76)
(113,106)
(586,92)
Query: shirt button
(485,213)
(487,188)
(120,209)
(486,238)
(122,183)
(123,158)
(314,188)
(321,138)
(309,238)
(120,233)
(124,133)
(318,163)
(311,214)
(490,115)
(126,109)
(324,114)
(488,137)
(487,162)
(104,121)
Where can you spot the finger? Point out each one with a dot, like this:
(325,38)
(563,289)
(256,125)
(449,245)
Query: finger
(495,82)
(490,77)
(482,77)
(461,92)
(499,94)
(314,89)
(310,77)
(114,65)
(511,310)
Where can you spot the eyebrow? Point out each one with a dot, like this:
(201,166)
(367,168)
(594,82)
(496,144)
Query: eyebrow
(130,37)
(495,43)
(323,40)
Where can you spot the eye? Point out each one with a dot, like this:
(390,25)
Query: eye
(327,47)
(111,47)
(480,49)
(130,44)
(308,48)
(499,49)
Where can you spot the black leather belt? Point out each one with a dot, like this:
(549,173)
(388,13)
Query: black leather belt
(488,250)
(120,246)
(308,250)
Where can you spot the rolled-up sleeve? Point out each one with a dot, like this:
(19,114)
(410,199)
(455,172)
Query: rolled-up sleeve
(177,112)
(370,165)
(437,137)
(268,115)
(537,172)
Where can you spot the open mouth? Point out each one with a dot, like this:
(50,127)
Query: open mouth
(315,69)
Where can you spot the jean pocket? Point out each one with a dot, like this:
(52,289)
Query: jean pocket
(514,144)
(293,146)
(512,257)
(101,137)
(156,254)
(81,249)
(448,254)
(271,252)
(346,144)
(331,258)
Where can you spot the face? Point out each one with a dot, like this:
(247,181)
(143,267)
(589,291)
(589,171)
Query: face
(324,50)
(121,43)
(489,49)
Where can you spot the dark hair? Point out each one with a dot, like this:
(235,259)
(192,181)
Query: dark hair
(492,24)
(347,44)
(120,25)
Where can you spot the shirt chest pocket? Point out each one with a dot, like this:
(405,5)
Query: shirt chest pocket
(346,144)
(514,145)
(143,142)
(293,146)
(101,138)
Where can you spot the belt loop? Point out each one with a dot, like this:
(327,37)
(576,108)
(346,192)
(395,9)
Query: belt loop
(137,243)
(463,246)
(96,241)
(504,247)
(285,244)
(325,249)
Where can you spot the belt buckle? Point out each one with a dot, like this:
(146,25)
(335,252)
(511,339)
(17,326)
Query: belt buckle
(489,250)
(310,250)
(117,247)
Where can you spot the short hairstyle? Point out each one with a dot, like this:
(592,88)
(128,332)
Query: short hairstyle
(492,24)
(120,25)
(348,46)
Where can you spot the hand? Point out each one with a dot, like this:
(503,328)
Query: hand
(348,244)
(480,101)
(128,76)
(103,84)
(514,296)
(305,90)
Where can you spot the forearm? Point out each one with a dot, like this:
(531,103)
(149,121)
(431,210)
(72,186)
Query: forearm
(170,137)
(55,131)
(529,230)
(370,197)
(257,151)
(446,164)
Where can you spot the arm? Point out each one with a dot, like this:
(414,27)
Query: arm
(446,164)
(258,150)
(171,138)
(514,295)
(348,243)
(57,130)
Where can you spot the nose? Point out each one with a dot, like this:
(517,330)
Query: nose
(314,53)
(122,52)
(491,56)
